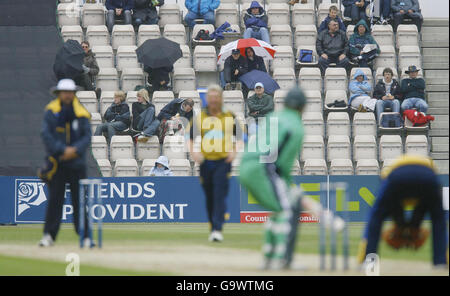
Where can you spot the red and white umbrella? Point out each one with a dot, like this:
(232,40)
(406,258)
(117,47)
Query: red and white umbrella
(260,47)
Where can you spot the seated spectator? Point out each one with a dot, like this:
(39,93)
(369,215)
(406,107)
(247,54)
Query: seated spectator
(387,93)
(117,117)
(292,2)
(143,102)
(332,47)
(144,12)
(159,77)
(255,20)
(359,39)
(200,9)
(168,120)
(235,66)
(413,90)
(385,11)
(332,15)
(260,103)
(161,168)
(355,9)
(90,69)
(406,9)
(254,62)
(118,9)
(360,89)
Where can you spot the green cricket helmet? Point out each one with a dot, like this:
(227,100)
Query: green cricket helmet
(295,99)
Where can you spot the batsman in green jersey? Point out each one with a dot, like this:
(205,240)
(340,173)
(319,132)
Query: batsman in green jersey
(267,177)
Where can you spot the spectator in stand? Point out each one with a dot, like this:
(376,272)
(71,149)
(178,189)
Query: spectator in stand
(235,66)
(117,117)
(118,9)
(255,20)
(360,96)
(355,9)
(147,123)
(159,77)
(387,93)
(161,168)
(200,9)
(406,9)
(254,62)
(90,67)
(260,103)
(137,108)
(292,2)
(332,47)
(144,12)
(169,120)
(385,11)
(332,15)
(359,39)
(413,90)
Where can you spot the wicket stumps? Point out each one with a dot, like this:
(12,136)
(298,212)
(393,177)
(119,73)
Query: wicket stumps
(339,189)
(93,186)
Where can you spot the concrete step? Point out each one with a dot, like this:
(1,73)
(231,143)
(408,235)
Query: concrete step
(442,166)
(439,155)
(438,133)
(435,58)
(435,22)
(436,87)
(437,111)
(439,144)
(434,36)
(435,52)
(437,96)
(438,104)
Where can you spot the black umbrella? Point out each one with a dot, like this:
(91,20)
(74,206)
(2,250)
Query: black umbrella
(158,53)
(69,60)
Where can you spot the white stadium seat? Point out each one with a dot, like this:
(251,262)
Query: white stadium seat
(96,119)
(126,168)
(175,32)
(335,95)
(296,169)
(313,123)
(98,36)
(185,60)
(147,165)
(390,147)
(105,167)
(338,147)
(285,77)
(277,13)
(313,148)
(315,101)
(147,32)
(108,79)
(387,57)
(367,167)
(281,35)
(161,99)
(284,57)
(278,98)
(123,35)
(305,35)
(99,147)
(409,55)
(121,147)
(183,79)
(303,14)
(341,167)
(364,123)
(233,100)
(383,34)
(364,147)
(416,144)
(407,35)
(310,79)
(72,32)
(93,14)
(205,58)
(338,123)
(227,12)
(106,99)
(169,13)
(180,167)
(104,56)
(68,14)
(89,100)
(131,77)
(126,57)
(174,147)
(315,167)
(335,79)
(207,27)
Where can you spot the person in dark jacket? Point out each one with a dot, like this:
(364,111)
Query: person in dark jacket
(254,62)
(235,66)
(175,113)
(255,20)
(90,67)
(387,92)
(143,102)
(117,117)
(118,9)
(355,9)
(260,103)
(332,47)
(406,9)
(385,11)
(332,15)
(360,38)
(159,77)
(200,9)
(413,90)
(144,12)
(66,133)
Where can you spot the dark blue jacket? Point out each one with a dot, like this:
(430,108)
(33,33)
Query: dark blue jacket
(66,126)
(172,109)
(125,4)
(326,21)
(120,112)
(259,20)
(257,63)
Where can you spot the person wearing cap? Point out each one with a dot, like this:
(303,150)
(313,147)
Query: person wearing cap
(220,138)
(266,175)
(260,103)
(161,168)
(235,66)
(117,117)
(413,90)
(66,133)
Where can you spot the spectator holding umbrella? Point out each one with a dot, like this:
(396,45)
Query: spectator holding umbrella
(254,62)
(235,66)
(200,9)
(159,77)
